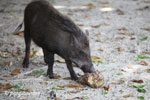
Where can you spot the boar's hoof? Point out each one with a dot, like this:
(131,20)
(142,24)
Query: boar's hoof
(74,77)
(25,65)
(51,76)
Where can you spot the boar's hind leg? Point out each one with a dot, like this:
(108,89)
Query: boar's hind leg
(49,59)
(70,68)
(27,39)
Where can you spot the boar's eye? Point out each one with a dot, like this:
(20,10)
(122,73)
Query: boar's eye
(86,44)
(81,52)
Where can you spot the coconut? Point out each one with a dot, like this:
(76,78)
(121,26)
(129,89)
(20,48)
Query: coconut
(91,79)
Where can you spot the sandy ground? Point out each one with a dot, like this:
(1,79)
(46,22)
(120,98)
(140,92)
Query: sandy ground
(119,36)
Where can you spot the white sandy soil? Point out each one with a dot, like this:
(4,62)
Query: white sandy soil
(119,50)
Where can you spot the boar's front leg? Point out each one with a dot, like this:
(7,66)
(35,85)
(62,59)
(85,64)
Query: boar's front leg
(49,59)
(70,68)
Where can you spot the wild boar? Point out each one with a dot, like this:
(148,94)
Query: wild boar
(55,33)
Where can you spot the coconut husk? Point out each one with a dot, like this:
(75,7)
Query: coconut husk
(91,79)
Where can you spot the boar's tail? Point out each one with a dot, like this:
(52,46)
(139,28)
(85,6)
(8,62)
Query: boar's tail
(18,28)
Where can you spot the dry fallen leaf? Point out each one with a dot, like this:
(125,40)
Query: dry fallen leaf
(119,49)
(127,95)
(73,91)
(80,24)
(137,81)
(67,78)
(7,75)
(146,7)
(122,80)
(32,54)
(5,87)
(4,54)
(9,63)
(119,38)
(29,91)
(97,59)
(105,24)
(16,53)
(1,90)
(61,86)
(44,83)
(15,72)
(57,76)
(147,29)
(122,29)
(123,32)
(96,26)
(22,57)
(90,5)
(78,98)
(114,83)
(101,49)
(74,86)
(107,88)
(148,70)
(130,67)
(1,84)
(105,2)
(132,38)
(146,52)
(20,33)
(143,63)
(120,12)
(1,78)
(57,98)
(70,99)
(136,73)
(98,34)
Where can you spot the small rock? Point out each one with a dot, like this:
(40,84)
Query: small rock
(52,95)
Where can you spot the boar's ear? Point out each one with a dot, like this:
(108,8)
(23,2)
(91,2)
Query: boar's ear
(87,34)
(72,40)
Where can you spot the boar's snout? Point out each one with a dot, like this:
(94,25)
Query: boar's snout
(88,69)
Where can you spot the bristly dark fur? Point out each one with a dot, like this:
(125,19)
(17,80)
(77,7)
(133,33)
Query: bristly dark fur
(64,22)
(55,34)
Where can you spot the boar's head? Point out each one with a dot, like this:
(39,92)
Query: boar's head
(80,53)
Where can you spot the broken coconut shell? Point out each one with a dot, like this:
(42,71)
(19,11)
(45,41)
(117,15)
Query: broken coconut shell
(91,79)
